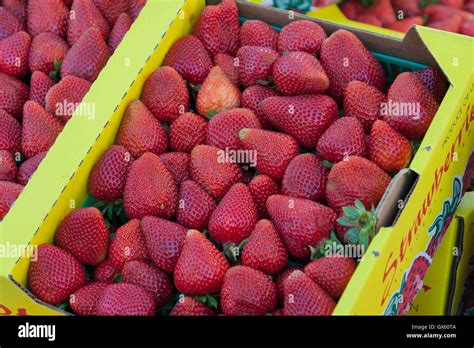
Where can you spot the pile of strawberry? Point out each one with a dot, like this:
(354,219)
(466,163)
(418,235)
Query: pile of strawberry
(456,16)
(51,51)
(204,234)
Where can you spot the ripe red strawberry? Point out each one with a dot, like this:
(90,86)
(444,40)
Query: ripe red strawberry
(54,274)
(345,58)
(140,132)
(247,291)
(8,167)
(451,24)
(345,137)
(9,23)
(453,3)
(369,19)
(135,7)
(150,189)
(190,59)
(28,168)
(40,129)
(274,151)
(14,54)
(265,250)
(258,33)
(164,241)
(305,177)
(217,94)
(104,272)
(165,94)
(228,65)
(126,300)
(255,64)
(383,10)
(85,15)
(9,192)
(364,102)
(187,131)
(355,178)
(195,206)
(303,297)
(112,9)
(212,172)
(404,24)
(332,274)
(178,165)
(120,28)
(84,300)
(280,281)
(304,117)
(46,49)
(303,36)
(261,187)
(409,8)
(40,84)
(434,81)
(188,306)
(219,29)
(47,16)
(17,8)
(87,57)
(84,234)
(201,267)
(352,9)
(413,121)
(13,95)
(467,28)
(235,217)
(223,128)
(62,99)
(149,278)
(439,12)
(10,132)
(253,96)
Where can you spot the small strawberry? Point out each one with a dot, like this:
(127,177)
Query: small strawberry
(119,30)
(10,133)
(302,36)
(28,168)
(434,81)
(40,84)
(261,187)
(135,7)
(258,33)
(9,23)
(85,15)
(404,24)
(126,300)
(228,65)
(452,24)
(8,167)
(9,192)
(189,306)
(178,165)
(14,54)
(187,131)
(104,272)
(112,9)
(195,206)
(255,64)
(383,11)
(13,95)
(47,16)
(280,280)
(253,96)
(84,300)
(46,50)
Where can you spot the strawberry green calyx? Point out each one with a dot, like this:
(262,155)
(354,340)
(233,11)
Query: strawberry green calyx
(233,252)
(55,75)
(362,223)
(209,300)
(112,212)
(321,249)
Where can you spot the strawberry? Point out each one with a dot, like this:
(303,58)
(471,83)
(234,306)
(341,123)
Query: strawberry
(345,58)
(188,306)
(187,131)
(9,192)
(178,165)
(302,36)
(408,8)
(404,24)
(258,33)
(14,54)
(112,9)
(40,84)
(369,19)
(120,28)
(261,187)
(190,59)
(164,241)
(352,9)
(149,278)
(135,7)
(235,217)
(9,23)
(195,206)
(127,245)
(104,272)
(298,73)
(467,28)
(212,172)
(140,132)
(54,274)
(255,64)
(46,49)
(85,15)
(383,11)
(223,128)
(40,129)
(201,267)
(126,300)
(434,81)
(63,98)
(439,12)
(355,178)
(247,291)
(228,65)
(412,122)
(304,117)
(452,3)
(87,57)
(150,189)
(47,16)
(217,94)
(305,177)
(253,96)
(84,234)
(8,167)
(274,151)
(17,8)
(265,250)
(303,297)
(165,94)
(451,24)
(280,280)
(29,167)
(13,95)
(10,132)
(345,137)
(84,300)
(332,274)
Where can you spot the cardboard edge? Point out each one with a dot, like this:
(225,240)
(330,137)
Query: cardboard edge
(454,267)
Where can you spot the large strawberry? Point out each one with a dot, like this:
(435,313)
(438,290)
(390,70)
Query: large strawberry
(86,15)
(46,50)
(258,33)
(120,28)
(229,65)
(54,274)
(255,64)
(9,23)
(253,96)
(47,16)
(178,165)
(150,189)
(9,192)
(10,132)
(201,267)
(189,306)
(187,131)
(13,95)
(8,167)
(40,84)
(126,300)
(302,36)
(261,187)
(235,217)
(247,291)
(195,206)
(14,52)
(84,300)
(28,168)
(434,81)
(112,9)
